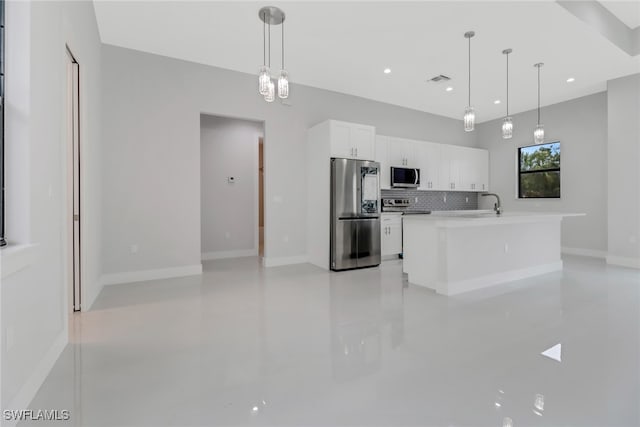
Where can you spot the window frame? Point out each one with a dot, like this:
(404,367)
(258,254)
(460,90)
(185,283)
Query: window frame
(521,172)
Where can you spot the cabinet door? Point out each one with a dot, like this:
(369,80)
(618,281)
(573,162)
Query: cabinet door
(395,237)
(340,140)
(428,155)
(482,165)
(381,157)
(468,176)
(363,140)
(391,234)
(401,153)
(449,168)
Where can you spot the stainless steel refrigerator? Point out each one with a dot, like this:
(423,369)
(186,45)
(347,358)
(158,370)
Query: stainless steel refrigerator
(355,214)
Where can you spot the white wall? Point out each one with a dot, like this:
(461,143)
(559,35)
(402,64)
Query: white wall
(581,127)
(623,201)
(34,299)
(229,148)
(152,106)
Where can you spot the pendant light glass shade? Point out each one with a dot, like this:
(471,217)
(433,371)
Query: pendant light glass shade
(271,92)
(469,114)
(264,78)
(538,134)
(469,119)
(507,128)
(283,84)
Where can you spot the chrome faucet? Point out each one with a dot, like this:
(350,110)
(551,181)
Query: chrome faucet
(497,206)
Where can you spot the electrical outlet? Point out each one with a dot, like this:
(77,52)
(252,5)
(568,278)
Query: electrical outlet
(134,248)
(416,200)
(227,235)
(285,238)
(444,198)
(466,199)
(506,248)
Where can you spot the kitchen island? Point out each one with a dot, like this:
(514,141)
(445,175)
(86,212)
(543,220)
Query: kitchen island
(459,252)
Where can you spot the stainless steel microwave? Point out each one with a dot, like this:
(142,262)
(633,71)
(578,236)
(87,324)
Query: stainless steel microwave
(405,177)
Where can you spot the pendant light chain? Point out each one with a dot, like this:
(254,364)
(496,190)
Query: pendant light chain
(507,85)
(283,45)
(269,44)
(538,94)
(469,71)
(264,39)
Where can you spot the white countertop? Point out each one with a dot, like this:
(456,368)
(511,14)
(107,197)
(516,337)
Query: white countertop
(476,218)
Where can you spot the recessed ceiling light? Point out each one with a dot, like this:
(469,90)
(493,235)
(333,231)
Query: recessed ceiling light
(571,80)
(387,70)
(449,89)
(497,101)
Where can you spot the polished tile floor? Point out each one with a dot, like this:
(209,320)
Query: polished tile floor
(286,346)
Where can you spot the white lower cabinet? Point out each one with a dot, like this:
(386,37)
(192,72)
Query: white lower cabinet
(391,234)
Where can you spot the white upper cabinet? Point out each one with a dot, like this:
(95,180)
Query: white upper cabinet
(477,167)
(429,162)
(443,167)
(402,153)
(382,142)
(352,141)
(464,169)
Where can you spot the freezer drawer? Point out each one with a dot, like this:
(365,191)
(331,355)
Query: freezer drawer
(355,243)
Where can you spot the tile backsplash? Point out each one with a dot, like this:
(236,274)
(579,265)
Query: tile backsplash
(434,200)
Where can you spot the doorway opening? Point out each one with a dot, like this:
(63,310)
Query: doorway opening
(73,182)
(231,187)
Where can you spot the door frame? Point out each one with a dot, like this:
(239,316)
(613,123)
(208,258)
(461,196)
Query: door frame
(73,183)
(255,178)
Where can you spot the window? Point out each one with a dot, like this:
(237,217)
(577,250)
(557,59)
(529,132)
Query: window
(3,242)
(539,171)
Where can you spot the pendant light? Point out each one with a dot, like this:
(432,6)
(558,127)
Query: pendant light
(264,76)
(269,16)
(270,96)
(469,113)
(507,123)
(538,134)
(283,80)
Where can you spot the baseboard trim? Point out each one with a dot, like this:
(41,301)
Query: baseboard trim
(623,261)
(240,253)
(144,275)
(28,391)
(285,260)
(593,253)
(88,302)
(460,286)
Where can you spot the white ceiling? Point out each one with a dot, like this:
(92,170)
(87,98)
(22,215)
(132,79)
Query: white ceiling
(627,11)
(344,47)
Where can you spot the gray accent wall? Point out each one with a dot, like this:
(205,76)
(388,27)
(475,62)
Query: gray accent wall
(581,127)
(623,199)
(151,131)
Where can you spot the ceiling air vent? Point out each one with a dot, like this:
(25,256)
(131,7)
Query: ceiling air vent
(440,78)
